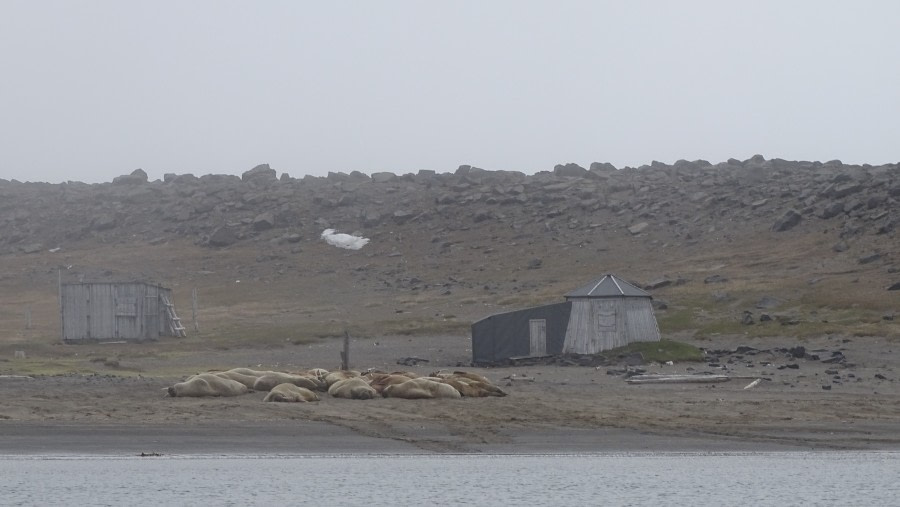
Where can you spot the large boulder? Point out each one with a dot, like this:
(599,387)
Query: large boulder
(223,236)
(787,221)
(602,167)
(104,222)
(402,216)
(31,248)
(638,228)
(569,170)
(846,189)
(383,177)
(260,174)
(264,221)
(137,177)
(832,210)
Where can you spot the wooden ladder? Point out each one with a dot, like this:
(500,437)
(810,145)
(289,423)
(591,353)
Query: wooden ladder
(174,322)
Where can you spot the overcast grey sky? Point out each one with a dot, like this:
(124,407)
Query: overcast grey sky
(93,89)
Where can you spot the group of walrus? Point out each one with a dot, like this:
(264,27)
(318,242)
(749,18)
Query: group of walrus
(350,384)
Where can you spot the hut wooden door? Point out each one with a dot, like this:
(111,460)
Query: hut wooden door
(127,324)
(537,331)
(606,329)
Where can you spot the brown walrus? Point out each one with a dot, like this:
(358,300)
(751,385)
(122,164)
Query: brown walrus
(207,384)
(290,393)
(420,388)
(272,379)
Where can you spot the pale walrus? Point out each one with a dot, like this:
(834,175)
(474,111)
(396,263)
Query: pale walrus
(272,379)
(352,388)
(207,384)
(420,388)
(247,380)
(290,393)
(339,375)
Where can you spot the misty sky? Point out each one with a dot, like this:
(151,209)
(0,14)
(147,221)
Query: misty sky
(93,89)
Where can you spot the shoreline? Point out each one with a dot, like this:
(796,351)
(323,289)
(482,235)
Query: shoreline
(321,438)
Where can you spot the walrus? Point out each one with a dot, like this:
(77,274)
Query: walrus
(488,388)
(318,373)
(352,388)
(290,393)
(272,379)
(420,388)
(335,376)
(373,376)
(410,374)
(207,384)
(472,388)
(472,376)
(387,380)
(465,390)
(249,371)
(247,380)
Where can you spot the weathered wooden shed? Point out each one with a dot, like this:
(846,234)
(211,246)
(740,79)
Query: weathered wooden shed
(609,313)
(130,311)
(604,314)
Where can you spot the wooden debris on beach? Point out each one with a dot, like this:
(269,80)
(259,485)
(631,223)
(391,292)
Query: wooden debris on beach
(676,379)
(16,377)
(753,384)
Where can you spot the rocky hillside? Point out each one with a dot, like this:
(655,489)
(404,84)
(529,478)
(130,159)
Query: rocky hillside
(711,241)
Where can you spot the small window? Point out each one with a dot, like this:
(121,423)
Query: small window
(126,307)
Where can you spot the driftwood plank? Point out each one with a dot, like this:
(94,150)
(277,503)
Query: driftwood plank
(677,379)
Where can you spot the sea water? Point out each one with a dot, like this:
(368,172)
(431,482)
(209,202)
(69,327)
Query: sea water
(652,479)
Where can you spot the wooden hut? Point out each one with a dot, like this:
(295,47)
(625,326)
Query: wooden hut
(104,311)
(607,313)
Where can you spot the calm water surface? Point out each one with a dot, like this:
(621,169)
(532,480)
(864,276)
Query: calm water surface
(802,478)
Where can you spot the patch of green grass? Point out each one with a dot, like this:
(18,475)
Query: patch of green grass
(660,352)
(676,320)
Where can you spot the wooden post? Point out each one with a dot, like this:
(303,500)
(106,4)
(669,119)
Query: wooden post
(28,317)
(194,309)
(345,354)
(62,319)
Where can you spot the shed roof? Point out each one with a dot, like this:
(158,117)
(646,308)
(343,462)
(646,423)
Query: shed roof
(606,287)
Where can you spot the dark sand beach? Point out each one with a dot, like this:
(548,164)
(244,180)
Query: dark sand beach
(549,409)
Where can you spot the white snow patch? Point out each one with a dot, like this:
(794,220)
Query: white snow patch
(341,240)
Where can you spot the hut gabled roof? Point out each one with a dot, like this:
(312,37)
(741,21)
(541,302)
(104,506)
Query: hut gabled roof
(609,286)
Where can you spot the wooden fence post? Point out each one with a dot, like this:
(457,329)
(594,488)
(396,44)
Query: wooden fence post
(345,354)
(194,310)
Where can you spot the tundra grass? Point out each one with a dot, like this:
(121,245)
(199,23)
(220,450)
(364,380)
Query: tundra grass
(660,352)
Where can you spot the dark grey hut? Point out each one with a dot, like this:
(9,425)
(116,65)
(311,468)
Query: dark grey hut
(532,332)
(131,311)
(607,313)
